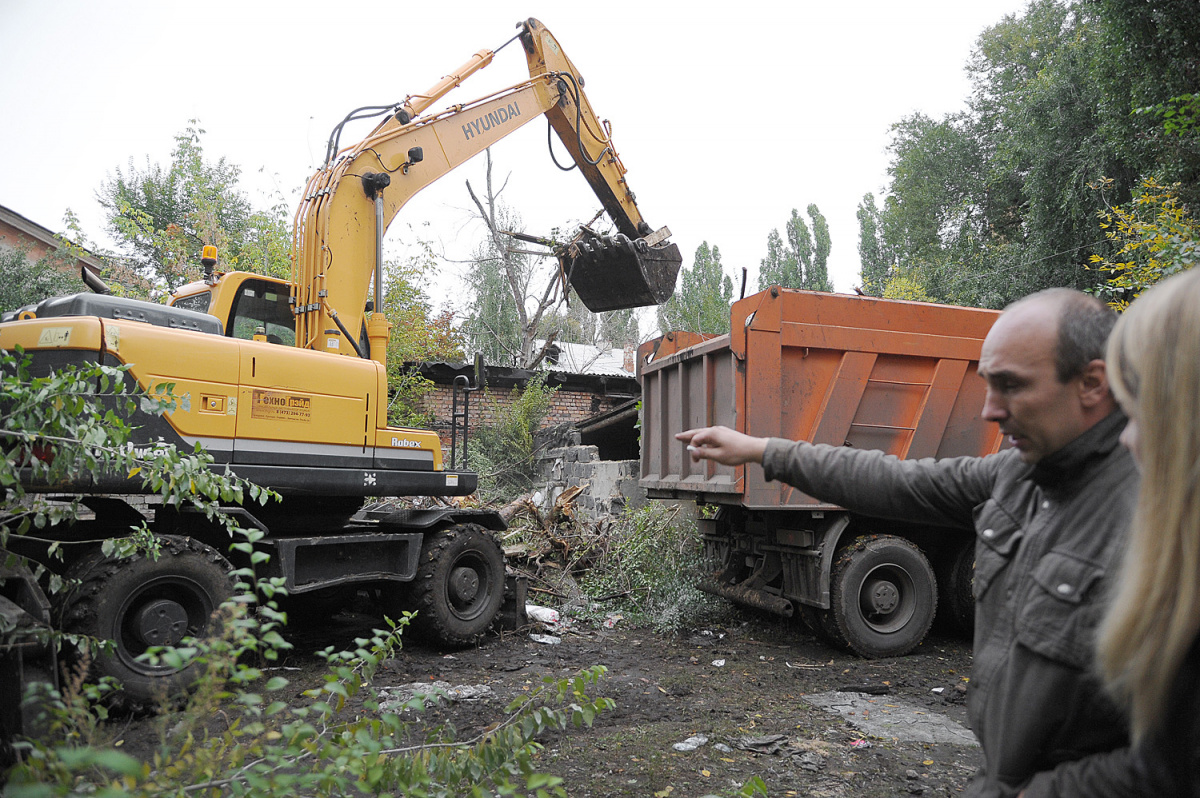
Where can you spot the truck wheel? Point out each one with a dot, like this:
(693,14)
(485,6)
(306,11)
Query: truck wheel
(883,596)
(955,596)
(459,584)
(138,602)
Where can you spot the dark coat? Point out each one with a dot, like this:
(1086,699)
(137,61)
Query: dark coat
(1050,539)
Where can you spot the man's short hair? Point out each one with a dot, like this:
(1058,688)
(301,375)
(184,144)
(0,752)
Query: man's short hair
(1084,324)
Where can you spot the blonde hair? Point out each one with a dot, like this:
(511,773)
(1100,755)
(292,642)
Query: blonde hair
(1154,368)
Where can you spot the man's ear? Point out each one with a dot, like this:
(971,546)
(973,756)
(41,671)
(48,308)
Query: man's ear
(1093,385)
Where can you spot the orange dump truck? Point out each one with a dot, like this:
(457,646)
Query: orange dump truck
(844,370)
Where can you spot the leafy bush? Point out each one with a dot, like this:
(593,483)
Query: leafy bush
(337,742)
(651,559)
(502,453)
(1154,235)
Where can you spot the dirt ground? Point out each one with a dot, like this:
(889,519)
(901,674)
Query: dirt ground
(745,687)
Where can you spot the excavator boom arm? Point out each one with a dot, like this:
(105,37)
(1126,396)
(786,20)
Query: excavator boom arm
(350,202)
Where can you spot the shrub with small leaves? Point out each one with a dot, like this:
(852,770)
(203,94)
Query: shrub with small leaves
(651,560)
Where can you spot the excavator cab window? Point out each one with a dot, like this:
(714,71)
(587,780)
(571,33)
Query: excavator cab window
(261,303)
(197,302)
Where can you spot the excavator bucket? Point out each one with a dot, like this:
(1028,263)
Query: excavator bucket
(617,272)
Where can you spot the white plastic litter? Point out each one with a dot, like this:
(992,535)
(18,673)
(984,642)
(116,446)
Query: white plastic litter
(542,614)
(691,743)
(549,640)
(720,663)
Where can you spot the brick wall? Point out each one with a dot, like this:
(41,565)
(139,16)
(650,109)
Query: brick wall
(570,403)
(17,232)
(608,486)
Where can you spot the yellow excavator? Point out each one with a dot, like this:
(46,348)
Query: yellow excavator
(287,386)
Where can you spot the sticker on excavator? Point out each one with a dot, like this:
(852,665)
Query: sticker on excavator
(281,406)
(616,272)
(54,336)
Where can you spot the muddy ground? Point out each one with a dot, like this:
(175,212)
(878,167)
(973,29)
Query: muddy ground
(747,687)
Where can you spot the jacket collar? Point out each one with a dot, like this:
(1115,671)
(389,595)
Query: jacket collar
(1055,470)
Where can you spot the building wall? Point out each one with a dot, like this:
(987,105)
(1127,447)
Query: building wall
(13,238)
(17,232)
(566,407)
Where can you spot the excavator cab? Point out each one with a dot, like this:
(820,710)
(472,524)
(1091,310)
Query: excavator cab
(617,272)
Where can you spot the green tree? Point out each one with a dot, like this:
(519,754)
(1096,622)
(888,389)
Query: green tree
(701,303)
(419,334)
(989,204)
(802,261)
(816,273)
(1150,53)
(24,282)
(1154,236)
(162,217)
(931,220)
(493,326)
(779,266)
(873,264)
(577,325)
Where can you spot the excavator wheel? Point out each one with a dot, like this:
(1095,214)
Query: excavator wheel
(459,585)
(138,602)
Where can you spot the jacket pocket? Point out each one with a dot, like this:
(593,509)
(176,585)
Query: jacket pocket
(1059,620)
(998,535)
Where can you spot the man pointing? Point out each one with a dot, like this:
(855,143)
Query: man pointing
(1050,515)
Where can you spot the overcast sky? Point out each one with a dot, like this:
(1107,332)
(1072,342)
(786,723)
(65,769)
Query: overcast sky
(727,115)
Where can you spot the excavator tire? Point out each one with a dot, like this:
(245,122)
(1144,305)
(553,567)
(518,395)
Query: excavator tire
(459,585)
(138,602)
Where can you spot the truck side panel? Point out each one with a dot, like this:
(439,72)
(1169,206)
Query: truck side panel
(848,371)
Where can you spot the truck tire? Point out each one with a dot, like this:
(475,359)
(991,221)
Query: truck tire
(955,597)
(883,596)
(459,585)
(138,602)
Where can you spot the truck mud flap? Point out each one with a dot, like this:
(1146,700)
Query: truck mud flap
(616,272)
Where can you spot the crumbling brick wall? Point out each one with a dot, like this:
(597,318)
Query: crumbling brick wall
(609,486)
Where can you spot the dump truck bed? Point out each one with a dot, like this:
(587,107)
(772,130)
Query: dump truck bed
(844,370)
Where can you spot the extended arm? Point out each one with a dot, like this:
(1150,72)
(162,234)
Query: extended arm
(944,492)
(723,445)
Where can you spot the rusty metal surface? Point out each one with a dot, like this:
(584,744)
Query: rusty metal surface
(748,596)
(890,375)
